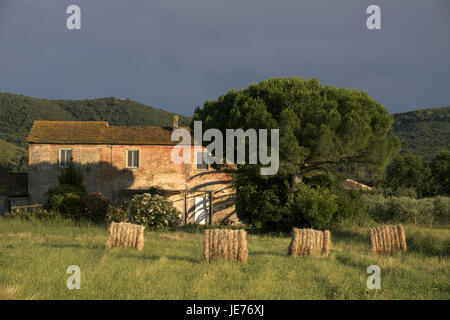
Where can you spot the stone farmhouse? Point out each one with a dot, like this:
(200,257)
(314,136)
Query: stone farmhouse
(120,161)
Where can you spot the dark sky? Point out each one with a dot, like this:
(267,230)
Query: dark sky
(175,54)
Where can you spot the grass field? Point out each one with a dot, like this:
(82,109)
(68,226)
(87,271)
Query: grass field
(34,257)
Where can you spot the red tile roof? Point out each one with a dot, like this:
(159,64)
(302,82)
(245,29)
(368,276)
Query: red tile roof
(97,132)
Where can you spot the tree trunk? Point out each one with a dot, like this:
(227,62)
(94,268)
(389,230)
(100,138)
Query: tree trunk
(294,179)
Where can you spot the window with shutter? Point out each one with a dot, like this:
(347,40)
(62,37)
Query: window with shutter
(65,157)
(200,161)
(133,158)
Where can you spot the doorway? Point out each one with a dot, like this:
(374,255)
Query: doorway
(202,209)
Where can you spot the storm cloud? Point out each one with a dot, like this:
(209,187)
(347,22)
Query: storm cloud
(175,54)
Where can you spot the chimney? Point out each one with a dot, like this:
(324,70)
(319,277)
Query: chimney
(175,122)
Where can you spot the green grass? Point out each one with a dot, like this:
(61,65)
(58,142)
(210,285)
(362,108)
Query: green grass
(34,256)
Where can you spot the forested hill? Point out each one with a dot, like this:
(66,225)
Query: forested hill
(17,113)
(424,131)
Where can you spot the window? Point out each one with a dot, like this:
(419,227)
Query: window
(65,157)
(200,161)
(132,158)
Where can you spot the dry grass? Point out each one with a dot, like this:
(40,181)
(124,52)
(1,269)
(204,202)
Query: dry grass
(309,242)
(8,293)
(126,235)
(388,239)
(225,244)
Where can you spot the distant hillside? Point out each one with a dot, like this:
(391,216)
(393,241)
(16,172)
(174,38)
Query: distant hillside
(12,157)
(18,112)
(424,131)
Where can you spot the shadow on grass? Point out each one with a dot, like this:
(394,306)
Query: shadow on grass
(350,236)
(265,253)
(153,257)
(123,252)
(349,261)
(73,245)
(191,260)
(428,245)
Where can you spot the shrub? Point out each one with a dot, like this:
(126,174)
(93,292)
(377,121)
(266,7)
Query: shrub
(152,211)
(350,206)
(38,214)
(442,210)
(96,207)
(67,197)
(261,201)
(440,170)
(268,204)
(408,171)
(319,181)
(118,213)
(315,208)
(69,204)
(62,189)
(426,211)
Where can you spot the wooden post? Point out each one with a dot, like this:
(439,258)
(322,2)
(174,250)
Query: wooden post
(211,206)
(185,208)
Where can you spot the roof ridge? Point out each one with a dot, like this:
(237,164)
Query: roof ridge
(139,127)
(75,121)
(97,132)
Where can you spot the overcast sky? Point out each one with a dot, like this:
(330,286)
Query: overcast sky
(175,54)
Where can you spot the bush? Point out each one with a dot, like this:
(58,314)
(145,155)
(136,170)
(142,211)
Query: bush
(408,171)
(350,205)
(96,207)
(261,201)
(38,214)
(440,170)
(62,189)
(350,208)
(426,211)
(118,212)
(68,204)
(67,197)
(442,210)
(268,204)
(152,211)
(313,208)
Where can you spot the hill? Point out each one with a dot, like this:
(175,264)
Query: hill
(12,157)
(17,113)
(424,131)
